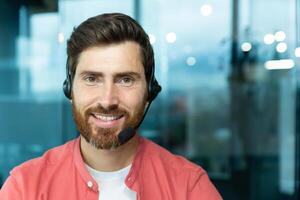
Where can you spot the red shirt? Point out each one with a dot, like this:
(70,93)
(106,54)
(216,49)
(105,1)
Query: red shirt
(60,174)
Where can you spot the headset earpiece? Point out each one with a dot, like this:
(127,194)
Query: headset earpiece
(67,85)
(67,88)
(154,89)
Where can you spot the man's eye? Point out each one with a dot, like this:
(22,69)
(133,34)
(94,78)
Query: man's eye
(90,79)
(126,81)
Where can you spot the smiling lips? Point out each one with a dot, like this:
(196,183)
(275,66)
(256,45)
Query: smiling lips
(106,121)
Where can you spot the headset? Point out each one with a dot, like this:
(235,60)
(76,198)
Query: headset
(67,85)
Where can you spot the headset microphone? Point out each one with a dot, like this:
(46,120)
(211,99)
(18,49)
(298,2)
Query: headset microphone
(126,134)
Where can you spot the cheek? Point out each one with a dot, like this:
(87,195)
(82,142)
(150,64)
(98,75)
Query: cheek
(134,102)
(81,102)
(81,97)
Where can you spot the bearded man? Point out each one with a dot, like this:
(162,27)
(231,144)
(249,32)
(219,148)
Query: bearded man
(110,83)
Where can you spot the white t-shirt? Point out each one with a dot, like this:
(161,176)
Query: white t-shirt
(112,184)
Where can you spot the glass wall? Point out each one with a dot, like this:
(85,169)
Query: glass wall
(229,71)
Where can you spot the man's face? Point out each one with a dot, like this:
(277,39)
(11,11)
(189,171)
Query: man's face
(109,92)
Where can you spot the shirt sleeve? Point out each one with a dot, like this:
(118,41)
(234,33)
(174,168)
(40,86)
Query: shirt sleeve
(203,189)
(10,190)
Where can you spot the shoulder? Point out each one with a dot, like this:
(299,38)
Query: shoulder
(50,158)
(32,178)
(179,173)
(175,163)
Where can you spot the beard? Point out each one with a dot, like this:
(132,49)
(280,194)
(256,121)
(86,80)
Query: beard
(105,138)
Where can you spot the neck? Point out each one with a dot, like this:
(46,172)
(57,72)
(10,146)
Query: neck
(109,160)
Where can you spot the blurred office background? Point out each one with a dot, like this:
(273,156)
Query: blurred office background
(230,72)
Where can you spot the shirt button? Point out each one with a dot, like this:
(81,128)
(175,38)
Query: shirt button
(90,184)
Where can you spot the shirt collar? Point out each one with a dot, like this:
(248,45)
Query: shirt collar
(131,177)
(79,164)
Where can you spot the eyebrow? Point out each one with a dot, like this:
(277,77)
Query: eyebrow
(133,74)
(116,75)
(91,73)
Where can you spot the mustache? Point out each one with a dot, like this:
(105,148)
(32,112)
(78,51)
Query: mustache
(111,110)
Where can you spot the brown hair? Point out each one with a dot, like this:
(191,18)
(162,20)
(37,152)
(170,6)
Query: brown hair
(108,29)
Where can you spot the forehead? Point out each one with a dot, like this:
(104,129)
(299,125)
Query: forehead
(112,58)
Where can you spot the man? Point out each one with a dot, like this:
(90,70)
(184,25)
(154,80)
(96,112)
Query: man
(111,84)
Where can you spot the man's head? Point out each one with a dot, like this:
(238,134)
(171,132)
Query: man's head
(108,29)
(110,63)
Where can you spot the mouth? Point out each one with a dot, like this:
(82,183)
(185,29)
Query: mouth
(106,120)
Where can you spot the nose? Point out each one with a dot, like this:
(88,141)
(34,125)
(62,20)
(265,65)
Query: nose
(109,96)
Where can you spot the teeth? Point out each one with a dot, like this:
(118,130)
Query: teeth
(106,118)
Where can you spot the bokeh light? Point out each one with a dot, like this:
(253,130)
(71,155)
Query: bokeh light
(206,10)
(60,37)
(152,38)
(280,36)
(269,38)
(171,37)
(281,47)
(191,61)
(246,46)
(297,52)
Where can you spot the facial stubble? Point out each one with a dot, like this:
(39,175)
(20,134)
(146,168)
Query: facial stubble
(105,138)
